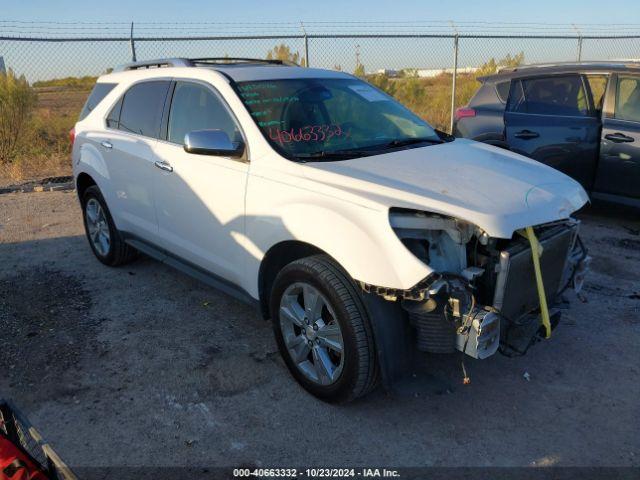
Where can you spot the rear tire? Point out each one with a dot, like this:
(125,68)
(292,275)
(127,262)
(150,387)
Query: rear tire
(105,240)
(323,330)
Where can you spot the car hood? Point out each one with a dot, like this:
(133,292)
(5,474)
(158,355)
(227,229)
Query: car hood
(495,189)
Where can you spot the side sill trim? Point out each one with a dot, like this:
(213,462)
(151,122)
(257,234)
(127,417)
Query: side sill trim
(190,269)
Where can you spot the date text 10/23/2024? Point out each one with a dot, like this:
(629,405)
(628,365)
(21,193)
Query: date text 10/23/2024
(316,473)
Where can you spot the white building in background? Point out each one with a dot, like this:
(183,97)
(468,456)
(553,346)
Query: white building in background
(421,72)
(387,71)
(434,72)
(2,68)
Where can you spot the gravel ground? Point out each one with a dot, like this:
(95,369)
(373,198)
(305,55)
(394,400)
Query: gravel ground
(143,366)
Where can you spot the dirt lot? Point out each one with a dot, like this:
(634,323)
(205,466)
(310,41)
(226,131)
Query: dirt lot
(144,366)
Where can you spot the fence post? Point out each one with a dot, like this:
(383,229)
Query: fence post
(453,81)
(579,49)
(132,44)
(2,67)
(306,45)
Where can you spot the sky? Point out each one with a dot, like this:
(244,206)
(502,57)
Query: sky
(546,11)
(40,61)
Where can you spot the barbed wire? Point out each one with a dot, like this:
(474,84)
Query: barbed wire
(57,29)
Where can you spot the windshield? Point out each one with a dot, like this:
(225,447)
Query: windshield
(310,118)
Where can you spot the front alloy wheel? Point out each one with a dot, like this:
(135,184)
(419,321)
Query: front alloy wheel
(323,329)
(311,333)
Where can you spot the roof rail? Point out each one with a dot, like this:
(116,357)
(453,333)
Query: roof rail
(225,60)
(162,62)
(568,64)
(193,62)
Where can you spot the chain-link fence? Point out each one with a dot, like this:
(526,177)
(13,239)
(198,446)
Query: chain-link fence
(429,67)
(40,58)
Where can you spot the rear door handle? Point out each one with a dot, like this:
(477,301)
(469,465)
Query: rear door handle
(619,137)
(162,165)
(526,134)
(106,144)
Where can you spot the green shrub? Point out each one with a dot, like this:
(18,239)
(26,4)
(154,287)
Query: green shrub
(76,82)
(17,100)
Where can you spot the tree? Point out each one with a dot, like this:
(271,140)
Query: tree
(283,52)
(492,65)
(17,100)
(359,71)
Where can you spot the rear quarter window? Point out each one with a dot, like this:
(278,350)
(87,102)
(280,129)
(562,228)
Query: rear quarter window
(502,89)
(100,90)
(488,96)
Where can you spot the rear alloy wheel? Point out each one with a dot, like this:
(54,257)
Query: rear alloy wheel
(97,227)
(104,238)
(322,329)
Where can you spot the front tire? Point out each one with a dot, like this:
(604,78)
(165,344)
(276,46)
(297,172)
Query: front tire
(323,331)
(104,238)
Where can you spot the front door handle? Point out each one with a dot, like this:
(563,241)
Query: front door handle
(162,165)
(526,134)
(619,137)
(106,144)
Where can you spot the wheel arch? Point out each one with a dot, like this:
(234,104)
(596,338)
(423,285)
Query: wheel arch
(83,182)
(358,239)
(276,258)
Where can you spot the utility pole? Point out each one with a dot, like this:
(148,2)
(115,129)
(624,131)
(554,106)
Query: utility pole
(357,55)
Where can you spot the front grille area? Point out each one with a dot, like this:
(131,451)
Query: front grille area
(515,293)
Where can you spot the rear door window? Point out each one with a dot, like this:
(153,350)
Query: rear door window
(562,95)
(628,99)
(100,90)
(142,105)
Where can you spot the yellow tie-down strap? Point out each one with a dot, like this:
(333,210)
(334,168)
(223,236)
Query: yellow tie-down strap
(536,253)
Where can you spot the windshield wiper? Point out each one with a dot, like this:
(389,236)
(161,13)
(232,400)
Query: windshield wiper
(363,152)
(335,155)
(411,141)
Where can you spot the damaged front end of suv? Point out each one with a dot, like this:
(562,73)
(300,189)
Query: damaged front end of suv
(484,294)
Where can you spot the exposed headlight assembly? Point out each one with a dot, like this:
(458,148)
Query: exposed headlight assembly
(448,318)
(439,241)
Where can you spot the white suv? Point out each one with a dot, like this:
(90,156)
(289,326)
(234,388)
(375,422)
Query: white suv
(365,235)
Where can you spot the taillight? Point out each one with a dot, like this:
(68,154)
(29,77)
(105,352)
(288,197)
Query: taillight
(72,135)
(464,112)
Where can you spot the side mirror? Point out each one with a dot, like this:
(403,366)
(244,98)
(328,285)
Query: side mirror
(212,142)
